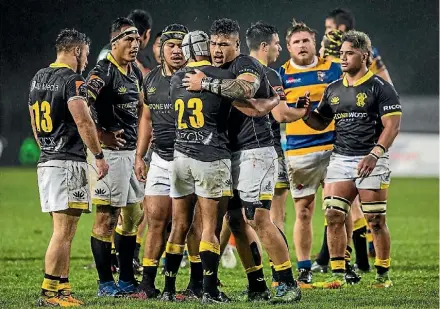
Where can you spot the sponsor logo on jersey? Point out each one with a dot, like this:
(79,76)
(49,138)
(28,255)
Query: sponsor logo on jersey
(360,99)
(334,100)
(350,115)
(122,90)
(151,90)
(321,75)
(392,107)
(291,80)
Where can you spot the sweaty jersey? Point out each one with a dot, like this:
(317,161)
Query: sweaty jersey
(249,132)
(277,84)
(300,138)
(51,90)
(357,111)
(201,117)
(157,98)
(114,98)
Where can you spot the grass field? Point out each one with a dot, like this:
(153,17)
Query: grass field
(413,221)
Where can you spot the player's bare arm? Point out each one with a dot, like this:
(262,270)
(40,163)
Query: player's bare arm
(284,113)
(143,141)
(243,87)
(87,130)
(257,107)
(391,126)
(34,128)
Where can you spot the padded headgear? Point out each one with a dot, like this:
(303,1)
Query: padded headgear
(195,43)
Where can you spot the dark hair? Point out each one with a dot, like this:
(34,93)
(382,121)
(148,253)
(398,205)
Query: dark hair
(70,38)
(259,33)
(343,17)
(120,22)
(158,35)
(142,20)
(225,26)
(359,40)
(298,27)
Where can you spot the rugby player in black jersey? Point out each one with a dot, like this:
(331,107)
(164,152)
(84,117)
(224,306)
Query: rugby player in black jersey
(157,125)
(367,115)
(115,94)
(253,160)
(62,127)
(264,45)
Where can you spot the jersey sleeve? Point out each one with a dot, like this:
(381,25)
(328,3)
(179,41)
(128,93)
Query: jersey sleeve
(76,89)
(276,83)
(146,85)
(324,108)
(98,78)
(388,100)
(138,73)
(246,65)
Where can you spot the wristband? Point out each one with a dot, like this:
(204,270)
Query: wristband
(373,155)
(99,156)
(378,150)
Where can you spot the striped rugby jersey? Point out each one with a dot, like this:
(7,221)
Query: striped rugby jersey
(300,138)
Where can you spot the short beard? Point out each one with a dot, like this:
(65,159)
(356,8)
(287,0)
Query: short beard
(303,61)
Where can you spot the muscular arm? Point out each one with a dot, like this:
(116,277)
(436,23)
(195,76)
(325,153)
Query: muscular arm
(243,87)
(317,122)
(144,132)
(140,107)
(34,129)
(86,127)
(283,113)
(257,107)
(391,129)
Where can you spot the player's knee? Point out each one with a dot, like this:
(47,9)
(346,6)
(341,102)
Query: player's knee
(105,220)
(336,209)
(334,217)
(304,214)
(131,218)
(375,222)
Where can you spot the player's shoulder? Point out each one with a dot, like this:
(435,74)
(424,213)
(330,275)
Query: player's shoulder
(102,68)
(136,70)
(335,85)
(152,74)
(382,85)
(215,72)
(247,60)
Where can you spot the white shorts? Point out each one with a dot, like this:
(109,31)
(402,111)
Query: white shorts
(344,168)
(158,176)
(64,184)
(283,177)
(307,172)
(120,187)
(254,173)
(205,179)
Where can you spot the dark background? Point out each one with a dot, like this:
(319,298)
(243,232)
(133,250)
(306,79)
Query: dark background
(405,32)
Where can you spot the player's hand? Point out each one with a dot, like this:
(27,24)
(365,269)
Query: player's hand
(366,166)
(102,167)
(140,169)
(332,43)
(193,81)
(303,104)
(112,139)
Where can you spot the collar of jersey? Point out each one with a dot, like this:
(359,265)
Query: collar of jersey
(60,65)
(360,81)
(198,63)
(260,61)
(304,67)
(112,60)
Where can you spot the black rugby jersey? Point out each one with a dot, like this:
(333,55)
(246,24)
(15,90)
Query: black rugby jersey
(357,111)
(114,96)
(157,97)
(277,84)
(249,132)
(201,117)
(51,90)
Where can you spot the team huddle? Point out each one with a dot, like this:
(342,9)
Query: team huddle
(192,149)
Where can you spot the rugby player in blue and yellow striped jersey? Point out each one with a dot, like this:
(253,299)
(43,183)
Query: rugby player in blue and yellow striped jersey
(307,150)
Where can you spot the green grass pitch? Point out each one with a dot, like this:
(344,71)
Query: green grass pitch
(412,218)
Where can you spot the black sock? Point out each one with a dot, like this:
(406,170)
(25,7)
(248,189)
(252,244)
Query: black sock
(137,249)
(286,276)
(102,254)
(347,255)
(210,261)
(256,280)
(360,246)
(173,257)
(274,273)
(196,279)
(149,276)
(324,255)
(125,246)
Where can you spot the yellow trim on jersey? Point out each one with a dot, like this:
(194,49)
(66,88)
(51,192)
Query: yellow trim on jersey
(303,151)
(227,193)
(198,63)
(78,205)
(392,114)
(384,186)
(282,185)
(60,65)
(265,197)
(100,202)
(261,61)
(360,81)
(112,60)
